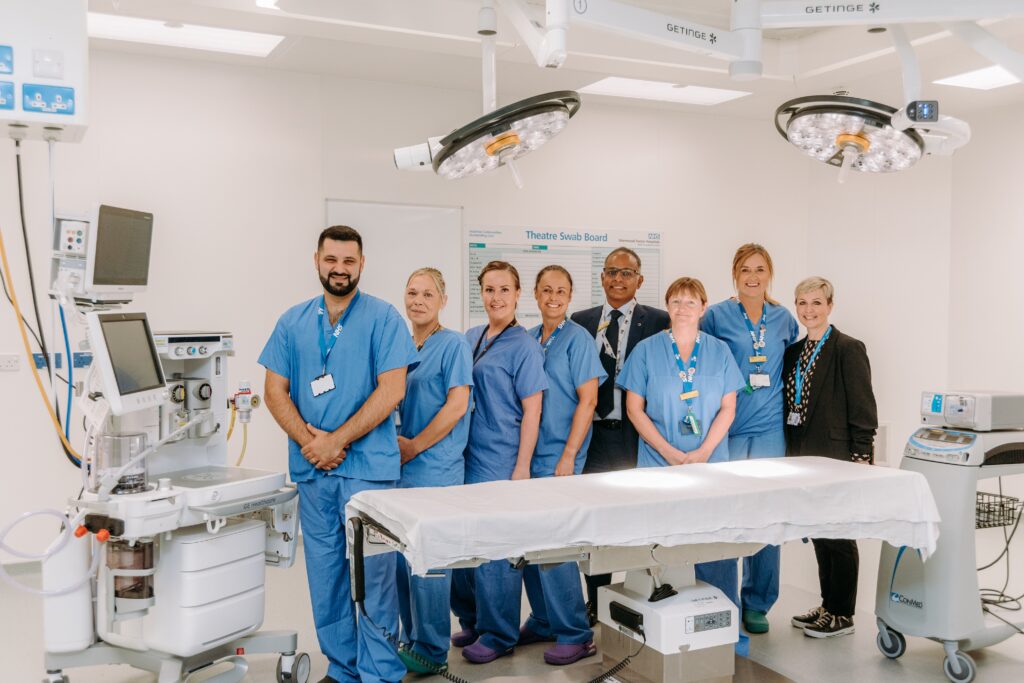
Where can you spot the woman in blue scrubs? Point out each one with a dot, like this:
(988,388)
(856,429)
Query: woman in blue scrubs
(433,430)
(508,385)
(574,372)
(757,329)
(681,396)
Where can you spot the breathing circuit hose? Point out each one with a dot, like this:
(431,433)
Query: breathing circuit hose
(56,547)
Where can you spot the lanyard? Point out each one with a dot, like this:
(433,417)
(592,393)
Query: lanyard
(419,347)
(686,372)
(327,346)
(755,338)
(802,374)
(551,340)
(488,347)
(624,322)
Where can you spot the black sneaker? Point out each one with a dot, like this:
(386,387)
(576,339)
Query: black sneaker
(829,625)
(808,618)
(592,614)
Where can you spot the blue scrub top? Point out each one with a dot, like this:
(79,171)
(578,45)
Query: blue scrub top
(651,372)
(570,362)
(510,371)
(374,340)
(759,412)
(442,364)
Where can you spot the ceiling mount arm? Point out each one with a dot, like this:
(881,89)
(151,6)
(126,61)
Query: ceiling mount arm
(988,46)
(908,62)
(487,29)
(546,43)
(745,22)
(663,29)
(802,14)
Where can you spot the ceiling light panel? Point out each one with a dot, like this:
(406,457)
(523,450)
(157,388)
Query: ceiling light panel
(981,79)
(659,91)
(149,31)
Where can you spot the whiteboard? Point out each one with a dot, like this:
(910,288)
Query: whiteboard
(398,239)
(581,252)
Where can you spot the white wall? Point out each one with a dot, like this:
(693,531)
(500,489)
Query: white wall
(237,163)
(986,326)
(231,169)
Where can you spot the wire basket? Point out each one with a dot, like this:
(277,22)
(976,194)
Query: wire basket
(995,510)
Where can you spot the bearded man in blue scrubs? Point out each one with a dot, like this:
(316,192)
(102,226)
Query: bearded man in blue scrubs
(336,367)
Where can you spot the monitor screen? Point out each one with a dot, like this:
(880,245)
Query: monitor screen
(123,240)
(132,352)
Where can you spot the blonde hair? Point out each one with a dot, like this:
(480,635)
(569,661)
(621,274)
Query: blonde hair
(687,285)
(742,254)
(434,274)
(812,283)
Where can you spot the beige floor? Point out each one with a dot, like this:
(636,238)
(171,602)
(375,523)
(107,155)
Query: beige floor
(784,650)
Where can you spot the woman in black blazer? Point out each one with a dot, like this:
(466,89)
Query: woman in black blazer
(830,411)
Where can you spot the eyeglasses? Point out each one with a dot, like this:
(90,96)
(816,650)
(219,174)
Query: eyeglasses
(624,273)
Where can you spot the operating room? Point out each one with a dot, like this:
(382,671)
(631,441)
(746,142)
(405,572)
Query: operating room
(242,160)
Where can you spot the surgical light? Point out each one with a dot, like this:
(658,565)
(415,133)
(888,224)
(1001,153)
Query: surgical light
(504,135)
(848,132)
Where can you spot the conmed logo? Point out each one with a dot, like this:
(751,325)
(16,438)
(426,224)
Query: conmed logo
(904,600)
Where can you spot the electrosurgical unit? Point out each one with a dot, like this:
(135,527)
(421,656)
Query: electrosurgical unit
(981,411)
(940,599)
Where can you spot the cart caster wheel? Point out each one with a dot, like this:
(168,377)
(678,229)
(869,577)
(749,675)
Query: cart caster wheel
(967,668)
(294,670)
(899,644)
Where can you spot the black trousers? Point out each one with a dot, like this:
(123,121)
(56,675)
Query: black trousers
(612,447)
(838,564)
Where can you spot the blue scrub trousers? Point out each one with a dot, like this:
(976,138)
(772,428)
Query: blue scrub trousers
(556,603)
(723,575)
(489,600)
(423,607)
(463,598)
(355,650)
(760,570)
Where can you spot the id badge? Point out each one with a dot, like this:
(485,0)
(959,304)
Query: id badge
(794,418)
(398,418)
(760,379)
(322,384)
(690,425)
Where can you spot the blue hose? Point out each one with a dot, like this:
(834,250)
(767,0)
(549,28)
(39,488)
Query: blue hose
(71,371)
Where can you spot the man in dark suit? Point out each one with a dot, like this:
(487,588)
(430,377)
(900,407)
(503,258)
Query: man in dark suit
(617,327)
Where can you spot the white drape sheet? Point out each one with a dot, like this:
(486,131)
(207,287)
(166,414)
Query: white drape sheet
(767,501)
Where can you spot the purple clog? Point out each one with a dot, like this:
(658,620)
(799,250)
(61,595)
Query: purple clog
(567,653)
(478,653)
(465,637)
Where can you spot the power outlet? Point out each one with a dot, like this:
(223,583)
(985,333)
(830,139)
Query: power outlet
(10,362)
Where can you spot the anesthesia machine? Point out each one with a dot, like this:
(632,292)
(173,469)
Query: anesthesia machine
(160,563)
(160,558)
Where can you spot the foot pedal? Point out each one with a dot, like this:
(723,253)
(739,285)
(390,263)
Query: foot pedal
(663,591)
